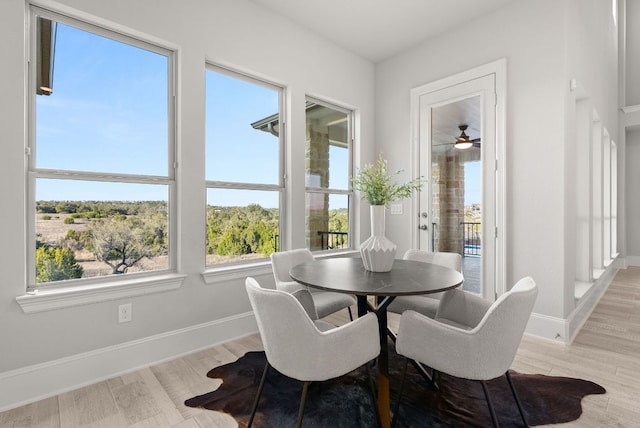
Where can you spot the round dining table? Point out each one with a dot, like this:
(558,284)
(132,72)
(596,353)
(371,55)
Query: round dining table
(406,278)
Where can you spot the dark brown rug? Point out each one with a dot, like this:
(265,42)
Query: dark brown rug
(347,402)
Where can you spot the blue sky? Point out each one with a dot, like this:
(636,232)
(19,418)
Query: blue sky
(472,183)
(108,113)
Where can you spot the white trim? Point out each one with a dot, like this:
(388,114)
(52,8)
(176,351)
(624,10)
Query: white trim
(581,313)
(69,12)
(498,66)
(499,69)
(564,330)
(33,383)
(581,288)
(241,271)
(631,109)
(117,34)
(230,273)
(56,298)
(589,300)
(550,328)
(632,260)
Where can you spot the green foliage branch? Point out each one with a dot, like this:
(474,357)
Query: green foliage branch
(56,264)
(377,186)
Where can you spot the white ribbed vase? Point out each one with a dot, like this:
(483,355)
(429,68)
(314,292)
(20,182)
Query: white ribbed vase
(378,252)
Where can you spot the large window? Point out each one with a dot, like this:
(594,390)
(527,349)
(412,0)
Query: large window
(101,153)
(327,171)
(243,168)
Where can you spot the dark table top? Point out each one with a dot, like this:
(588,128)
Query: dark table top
(348,275)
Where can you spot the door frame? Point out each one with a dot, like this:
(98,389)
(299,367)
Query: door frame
(498,69)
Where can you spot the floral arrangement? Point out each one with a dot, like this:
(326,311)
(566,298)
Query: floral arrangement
(376,186)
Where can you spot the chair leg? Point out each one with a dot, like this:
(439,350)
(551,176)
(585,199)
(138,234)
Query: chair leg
(372,388)
(492,411)
(372,385)
(303,400)
(515,395)
(435,378)
(392,335)
(260,388)
(396,411)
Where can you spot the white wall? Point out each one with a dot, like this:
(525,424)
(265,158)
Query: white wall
(592,66)
(633,53)
(535,38)
(632,146)
(534,125)
(235,33)
(633,201)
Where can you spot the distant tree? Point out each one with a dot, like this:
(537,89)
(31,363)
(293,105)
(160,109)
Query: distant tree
(260,236)
(233,240)
(122,242)
(46,207)
(338,220)
(56,264)
(66,207)
(234,231)
(76,240)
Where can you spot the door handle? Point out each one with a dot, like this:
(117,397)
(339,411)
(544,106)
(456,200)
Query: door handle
(423,227)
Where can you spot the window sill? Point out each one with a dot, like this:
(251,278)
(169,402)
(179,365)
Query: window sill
(47,300)
(230,273)
(235,272)
(581,288)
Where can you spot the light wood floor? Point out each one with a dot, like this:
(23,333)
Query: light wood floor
(606,351)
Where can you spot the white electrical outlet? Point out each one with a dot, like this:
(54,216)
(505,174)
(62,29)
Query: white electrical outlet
(396,208)
(124,313)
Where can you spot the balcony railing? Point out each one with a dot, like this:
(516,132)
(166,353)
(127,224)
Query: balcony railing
(471,238)
(333,240)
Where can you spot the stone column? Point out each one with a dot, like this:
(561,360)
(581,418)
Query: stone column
(447,185)
(317,159)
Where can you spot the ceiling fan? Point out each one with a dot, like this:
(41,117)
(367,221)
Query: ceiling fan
(463,141)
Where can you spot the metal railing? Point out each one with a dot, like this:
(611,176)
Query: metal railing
(471,238)
(333,240)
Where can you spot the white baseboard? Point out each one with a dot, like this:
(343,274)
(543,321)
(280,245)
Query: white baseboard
(40,381)
(587,303)
(564,330)
(632,260)
(550,328)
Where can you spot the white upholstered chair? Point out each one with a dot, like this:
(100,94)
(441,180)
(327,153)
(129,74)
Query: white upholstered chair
(470,337)
(326,302)
(306,349)
(425,304)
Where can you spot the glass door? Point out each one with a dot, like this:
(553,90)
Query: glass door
(457,150)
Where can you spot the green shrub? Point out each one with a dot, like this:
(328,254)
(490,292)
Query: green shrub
(56,264)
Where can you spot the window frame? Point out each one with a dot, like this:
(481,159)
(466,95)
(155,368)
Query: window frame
(33,173)
(350,113)
(230,185)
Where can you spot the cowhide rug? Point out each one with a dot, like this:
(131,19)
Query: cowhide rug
(347,401)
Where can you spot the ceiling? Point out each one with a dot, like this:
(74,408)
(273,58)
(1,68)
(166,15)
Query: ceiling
(446,119)
(379,29)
